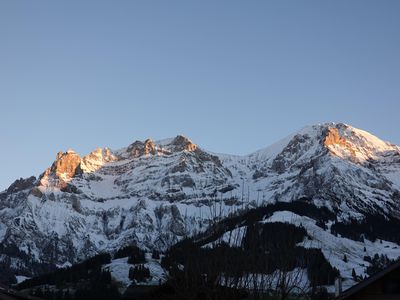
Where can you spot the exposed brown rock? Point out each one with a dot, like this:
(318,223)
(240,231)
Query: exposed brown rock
(65,167)
(21,184)
(134,148)
(183,143)
(36,192)
(149,147)
(59,154)
(333,138)
(139,148)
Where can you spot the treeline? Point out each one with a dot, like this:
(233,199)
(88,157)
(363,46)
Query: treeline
(378,263)
(371,227)
(6,274)
(135,254)
(139,273)
(7,268)
(302,207)
(88,280)
(84,270)
(84,281)
(268,263)
(98,286)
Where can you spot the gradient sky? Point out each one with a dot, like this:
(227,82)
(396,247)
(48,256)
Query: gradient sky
(234,76)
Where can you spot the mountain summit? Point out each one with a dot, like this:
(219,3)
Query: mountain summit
(154,193)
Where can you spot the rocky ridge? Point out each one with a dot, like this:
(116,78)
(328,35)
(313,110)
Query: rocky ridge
(154,193)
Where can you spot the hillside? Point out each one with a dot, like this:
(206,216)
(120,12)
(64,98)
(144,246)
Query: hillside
(156,193)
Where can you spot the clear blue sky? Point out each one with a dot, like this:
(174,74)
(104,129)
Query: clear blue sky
(234,76)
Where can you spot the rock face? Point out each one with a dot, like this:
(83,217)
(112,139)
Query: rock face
(181,143)
(64,168)
(139,148)
(96,159)
(153,193)
(67,165)
(333,138)
(21,184)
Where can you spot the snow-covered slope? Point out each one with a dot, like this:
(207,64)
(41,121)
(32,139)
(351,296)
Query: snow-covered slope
(156,193)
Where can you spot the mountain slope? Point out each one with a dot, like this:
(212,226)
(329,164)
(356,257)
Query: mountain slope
(156,193)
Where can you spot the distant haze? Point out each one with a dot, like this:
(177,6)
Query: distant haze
(234,76)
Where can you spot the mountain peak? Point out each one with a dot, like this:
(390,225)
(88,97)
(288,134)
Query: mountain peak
(139,148)
(349,142)
(153,193)
(166,146)
(182,143)
(96,159)
(63,169)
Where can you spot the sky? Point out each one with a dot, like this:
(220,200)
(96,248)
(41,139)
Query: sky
(233,76)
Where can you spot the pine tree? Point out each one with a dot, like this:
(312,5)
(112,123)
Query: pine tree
(38,293)
(354,275)
(155,254)
(59,295)
(67,295)
(345,258)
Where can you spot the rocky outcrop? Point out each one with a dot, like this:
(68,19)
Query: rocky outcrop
(96,159)
(182,143)
(66,166)
(22,184)
(36,192)
(148,147)
(139,148)
(287,159)
(333,138)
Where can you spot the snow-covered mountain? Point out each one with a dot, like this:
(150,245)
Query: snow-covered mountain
(154,193)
